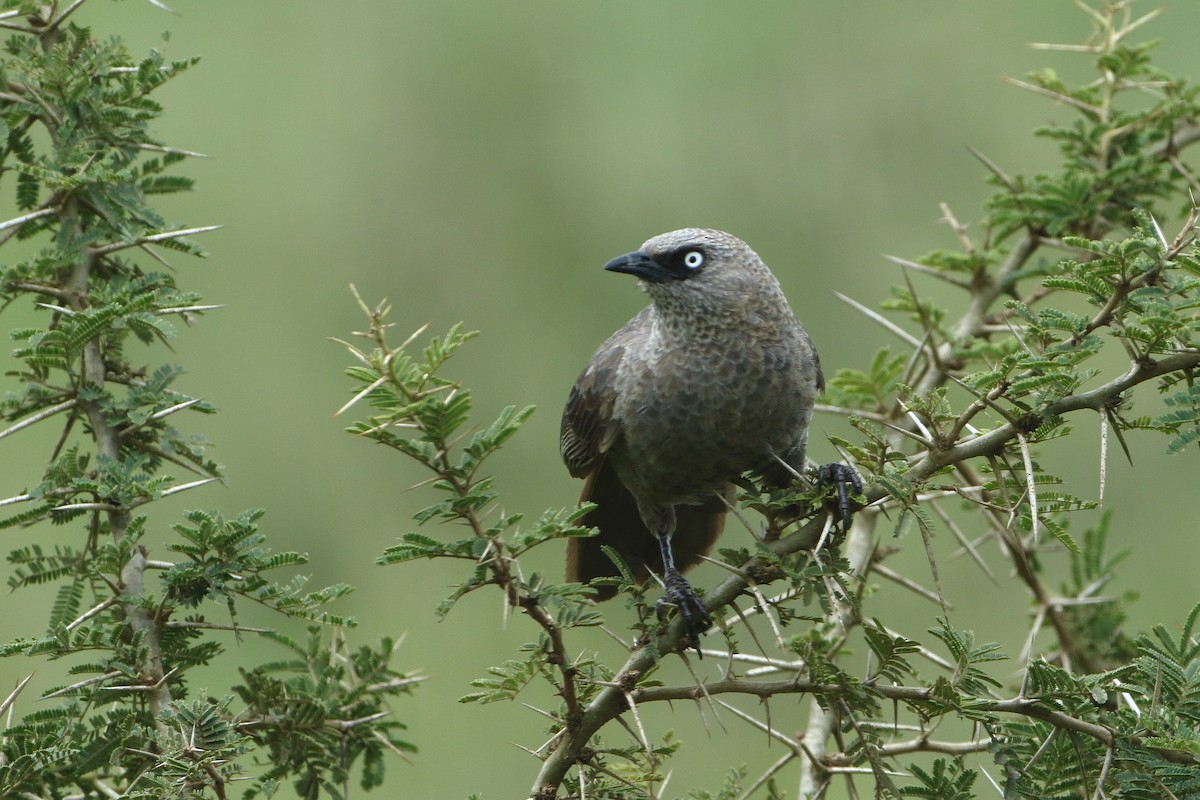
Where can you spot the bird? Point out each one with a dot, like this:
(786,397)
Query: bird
(713,379)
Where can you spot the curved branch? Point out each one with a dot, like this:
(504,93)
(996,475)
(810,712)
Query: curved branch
(611,702)
(1097,399)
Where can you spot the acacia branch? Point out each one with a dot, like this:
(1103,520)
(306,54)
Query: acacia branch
(1097,399)
(912,694)
(611,701)
(16,222)
(94,373)
(498,558)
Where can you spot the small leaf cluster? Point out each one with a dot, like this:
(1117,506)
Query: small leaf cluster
(946,780)
(202,748)
(94,99)
(1111,152)
(225,560)
(321,711)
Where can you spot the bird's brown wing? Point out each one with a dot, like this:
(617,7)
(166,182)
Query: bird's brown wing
(588,426)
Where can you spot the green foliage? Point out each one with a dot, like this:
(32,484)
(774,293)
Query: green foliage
(201,749)
(947,780)
(425,417)
(1183,420)
(79,158)
(506,682)
(891,652)
(1095,623)
(226,559)
(322,710)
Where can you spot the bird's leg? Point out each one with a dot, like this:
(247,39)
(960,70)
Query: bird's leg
(680,594)
(844,478)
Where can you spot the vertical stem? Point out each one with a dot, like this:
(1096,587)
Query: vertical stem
(858,549)
(93,373)
(108,444)
(144,620)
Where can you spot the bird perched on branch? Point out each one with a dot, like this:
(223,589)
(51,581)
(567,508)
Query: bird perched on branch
(716,377)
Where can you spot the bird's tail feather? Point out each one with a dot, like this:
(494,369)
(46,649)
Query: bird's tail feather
(621,528)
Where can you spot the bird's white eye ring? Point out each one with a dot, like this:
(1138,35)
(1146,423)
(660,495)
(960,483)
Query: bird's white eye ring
(693,259)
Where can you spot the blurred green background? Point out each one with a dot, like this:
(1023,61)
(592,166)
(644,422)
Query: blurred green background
(480,162)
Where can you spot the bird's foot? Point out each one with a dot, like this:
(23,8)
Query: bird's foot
(679,593)
(847,483)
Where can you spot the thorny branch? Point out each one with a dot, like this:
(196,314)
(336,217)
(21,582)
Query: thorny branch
(497,558)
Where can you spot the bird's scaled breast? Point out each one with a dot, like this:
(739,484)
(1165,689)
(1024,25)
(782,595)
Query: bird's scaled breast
(698,419)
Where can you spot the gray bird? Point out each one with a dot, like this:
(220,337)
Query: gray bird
(715,378)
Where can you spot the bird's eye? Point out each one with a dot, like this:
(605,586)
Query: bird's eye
(693,259)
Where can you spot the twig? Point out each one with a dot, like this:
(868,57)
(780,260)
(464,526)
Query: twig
(32,215)
(908,583)
(45,413)
(114,247)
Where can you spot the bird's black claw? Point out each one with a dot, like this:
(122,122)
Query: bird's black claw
(696,619)
(844,478)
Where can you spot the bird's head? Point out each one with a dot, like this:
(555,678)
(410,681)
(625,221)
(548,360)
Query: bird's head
(700,272)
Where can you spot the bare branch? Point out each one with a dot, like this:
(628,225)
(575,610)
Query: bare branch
(32,215)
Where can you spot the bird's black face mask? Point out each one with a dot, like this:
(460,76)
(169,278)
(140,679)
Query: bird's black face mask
(677,265)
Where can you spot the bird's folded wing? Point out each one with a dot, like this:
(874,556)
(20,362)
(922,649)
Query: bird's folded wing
(588,425)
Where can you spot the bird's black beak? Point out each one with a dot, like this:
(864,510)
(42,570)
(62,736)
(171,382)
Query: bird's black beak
(639,264)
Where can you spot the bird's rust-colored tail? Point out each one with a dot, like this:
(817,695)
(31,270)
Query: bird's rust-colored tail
(621,528)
